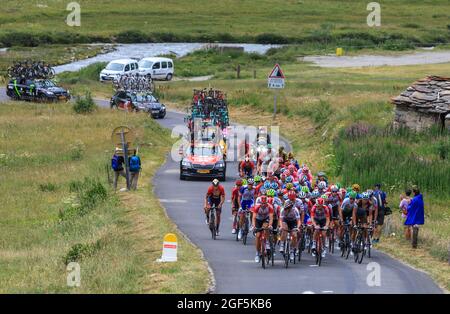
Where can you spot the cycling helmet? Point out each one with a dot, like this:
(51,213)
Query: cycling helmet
(302,194)
(305,189)
(324,197)
(250,181)
(352,195)
(215,182)
(292,195)
(285,197)
(282,176)
(291,168)
(315,194)
(257,179)
(271,193)
(263,179)
(287,173)
(288,204)
(274,185)
(365,196)
(264,199)
(305,169)
(244,181)
(322,185)
(370,192)
(282,170)
(356,187)
(321,174)
(238,182)
(334,188)
(280,192)
(269,145)
(289,179)
(262,191)
(320,201)
(267,185)
(289,186)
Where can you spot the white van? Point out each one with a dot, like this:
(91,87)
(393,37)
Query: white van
(117,68)
(157,68)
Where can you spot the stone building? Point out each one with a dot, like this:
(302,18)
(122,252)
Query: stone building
(424,104)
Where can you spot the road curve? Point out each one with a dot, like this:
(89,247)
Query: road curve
(232,262)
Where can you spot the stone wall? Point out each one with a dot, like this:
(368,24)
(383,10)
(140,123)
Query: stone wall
(415,120)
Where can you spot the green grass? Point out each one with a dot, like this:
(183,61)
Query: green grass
(318,22)
(57,207)
(54,54)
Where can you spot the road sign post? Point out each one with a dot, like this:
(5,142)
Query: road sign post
(275,81)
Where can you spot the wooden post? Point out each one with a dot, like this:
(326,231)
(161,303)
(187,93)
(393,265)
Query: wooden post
(254,74)
(238,70)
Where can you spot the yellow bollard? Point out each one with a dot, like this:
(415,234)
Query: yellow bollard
(339,52)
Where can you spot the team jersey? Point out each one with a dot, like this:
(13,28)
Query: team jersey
(247,194)
(258,187)
(290,214)
(276,204)
(247,167)
(320,213)
(234,196)
(334,200)
(262,212)
(347,207)
(220,191)
(299,204)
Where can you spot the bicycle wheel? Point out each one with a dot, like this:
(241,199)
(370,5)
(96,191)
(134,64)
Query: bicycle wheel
(332,240)
(272,251)
(212,225)
(286,254)
(245,232)
(301,246)
(363,251)
(357,247)
(319,251)
(263,253)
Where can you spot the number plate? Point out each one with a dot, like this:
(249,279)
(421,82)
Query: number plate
(203,171)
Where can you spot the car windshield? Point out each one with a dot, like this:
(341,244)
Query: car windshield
(144,98)
(145,64)
(114,67)
(45,83)
(204,151)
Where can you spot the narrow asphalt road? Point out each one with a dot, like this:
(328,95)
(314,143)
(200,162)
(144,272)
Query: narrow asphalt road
(232,263)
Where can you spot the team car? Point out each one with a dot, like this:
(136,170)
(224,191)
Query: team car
(36,90)
(203,160)
(131,101)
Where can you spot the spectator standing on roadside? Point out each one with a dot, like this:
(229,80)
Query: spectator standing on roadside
(117,163)
(404,202)
(381,202)
(416,214)
(135,169)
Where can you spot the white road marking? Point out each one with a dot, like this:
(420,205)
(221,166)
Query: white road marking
(247,261)
(171,201)
(172,171)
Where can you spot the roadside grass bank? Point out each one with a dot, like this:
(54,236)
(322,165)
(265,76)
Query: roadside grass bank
(318,23)
(57,207)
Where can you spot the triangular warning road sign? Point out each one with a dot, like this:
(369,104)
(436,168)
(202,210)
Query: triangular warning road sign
(276,72)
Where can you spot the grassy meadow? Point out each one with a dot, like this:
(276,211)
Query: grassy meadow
(404,23)
(58,207)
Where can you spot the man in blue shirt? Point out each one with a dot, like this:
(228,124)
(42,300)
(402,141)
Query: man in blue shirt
(381,202)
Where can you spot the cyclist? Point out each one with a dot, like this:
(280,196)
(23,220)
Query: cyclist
(320,217)
(262,218)
(363,214)
(290,221)
(214,196)
(345,213)
(258,183)
(277,204)
(322,187)
(246,200)
(321,177)
(247,168)
(334,200)
(235,203)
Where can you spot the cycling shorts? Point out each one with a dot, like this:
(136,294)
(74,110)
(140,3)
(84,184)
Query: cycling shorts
(246,204)
(335,212)
(361,213)
(259,223)
(291,223)
(214,202)
(321,222)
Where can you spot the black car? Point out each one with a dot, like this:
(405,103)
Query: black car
(36,90)
(131,101)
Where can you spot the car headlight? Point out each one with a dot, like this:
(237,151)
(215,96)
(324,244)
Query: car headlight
(220,164)
(186,164)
